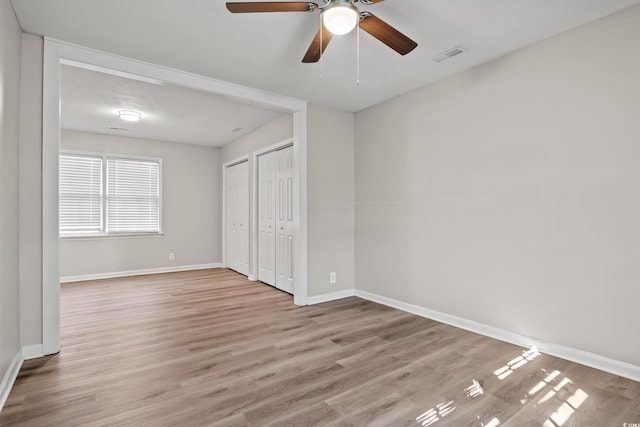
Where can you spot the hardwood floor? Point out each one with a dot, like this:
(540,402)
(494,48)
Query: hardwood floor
(211,348)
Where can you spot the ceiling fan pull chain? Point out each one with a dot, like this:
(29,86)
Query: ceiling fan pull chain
(358,52)
(321,52)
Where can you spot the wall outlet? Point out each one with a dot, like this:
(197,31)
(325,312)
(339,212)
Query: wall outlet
(172,256)
(332,277)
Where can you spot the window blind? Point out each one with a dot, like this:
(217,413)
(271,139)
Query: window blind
(133,196)
(80,186)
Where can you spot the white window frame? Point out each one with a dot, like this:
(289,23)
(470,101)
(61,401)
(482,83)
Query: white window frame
(103,234)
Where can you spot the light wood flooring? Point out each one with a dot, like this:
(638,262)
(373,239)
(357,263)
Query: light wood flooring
(209,348)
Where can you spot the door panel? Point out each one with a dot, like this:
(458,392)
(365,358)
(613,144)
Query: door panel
(266,219)
(276,231)
(284,249)
(243,217)
(237,206)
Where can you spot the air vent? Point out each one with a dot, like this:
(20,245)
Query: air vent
(448,54)
(116,128)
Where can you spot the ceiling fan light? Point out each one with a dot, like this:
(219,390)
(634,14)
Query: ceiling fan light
(129,115)
(340,19)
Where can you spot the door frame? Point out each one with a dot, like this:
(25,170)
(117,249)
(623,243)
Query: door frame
(225,169)
(57,53)
(255,185)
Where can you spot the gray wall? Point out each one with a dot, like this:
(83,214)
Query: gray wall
(508,194)
(330,209)
(190,210)
(31,191)
(10,59)
(269,134)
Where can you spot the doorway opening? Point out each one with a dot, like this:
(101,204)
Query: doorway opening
(56,54)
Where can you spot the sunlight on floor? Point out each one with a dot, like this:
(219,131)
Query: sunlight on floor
(493,423)
(474,390)
(516,363)
(566,409)
(557,390)
(545,382)
(434,414)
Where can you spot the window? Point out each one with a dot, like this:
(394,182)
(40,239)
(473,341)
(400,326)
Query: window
(80,194)
(108,195)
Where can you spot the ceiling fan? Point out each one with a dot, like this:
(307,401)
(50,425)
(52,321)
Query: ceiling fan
(339,17)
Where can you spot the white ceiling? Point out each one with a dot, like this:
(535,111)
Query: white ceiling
(91,100)
(264,50)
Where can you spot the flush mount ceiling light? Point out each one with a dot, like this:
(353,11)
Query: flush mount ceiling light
(129,115)
(340,18)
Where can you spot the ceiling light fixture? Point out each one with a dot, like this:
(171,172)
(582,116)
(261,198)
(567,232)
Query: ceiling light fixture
(129,115)
(340,18)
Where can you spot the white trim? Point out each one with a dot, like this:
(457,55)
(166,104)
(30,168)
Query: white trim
(301,280)
(50,222)
(56,52)
(596,361)
(10,378)
(225,167)
(252,278)
(32,351)
(332,296)
(112,275)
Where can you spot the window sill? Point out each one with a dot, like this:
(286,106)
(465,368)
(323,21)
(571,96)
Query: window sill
(110,236)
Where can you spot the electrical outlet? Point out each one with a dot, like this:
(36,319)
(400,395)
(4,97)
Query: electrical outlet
(332,277)
(172,256)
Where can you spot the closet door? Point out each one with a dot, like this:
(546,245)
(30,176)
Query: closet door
(242,216)
(237,203)
(266,218)
(284,219)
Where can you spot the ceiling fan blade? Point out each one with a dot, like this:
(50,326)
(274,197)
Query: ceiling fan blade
(368,2)
(386,33)
(271,6)
(314,52)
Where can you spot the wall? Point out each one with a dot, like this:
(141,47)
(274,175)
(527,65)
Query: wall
(190,210)
(31,191)
(330,209)
(508,194)
(10,58)
(269,134)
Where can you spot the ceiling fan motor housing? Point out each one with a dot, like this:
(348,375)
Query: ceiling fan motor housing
(340,17)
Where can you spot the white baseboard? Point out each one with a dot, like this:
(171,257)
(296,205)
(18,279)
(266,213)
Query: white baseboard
(596,361)
(9,378)
(83,277)
(252,278)
(32,351)
(318,299)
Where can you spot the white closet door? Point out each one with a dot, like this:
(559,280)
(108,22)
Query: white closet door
(266,218)
(242,180)
(237,178)
(284,220)
(231,217)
